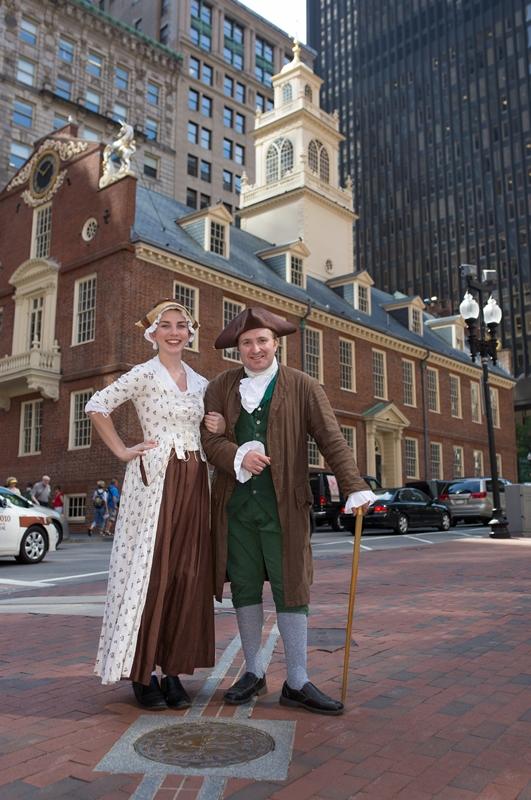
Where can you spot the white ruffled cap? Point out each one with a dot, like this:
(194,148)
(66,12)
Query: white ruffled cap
(154,325)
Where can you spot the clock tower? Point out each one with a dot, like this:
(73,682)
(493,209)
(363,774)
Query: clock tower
(297,193)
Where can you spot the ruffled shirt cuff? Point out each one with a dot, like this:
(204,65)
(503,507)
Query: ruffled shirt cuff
(357,499)
(95,407)
(242,474)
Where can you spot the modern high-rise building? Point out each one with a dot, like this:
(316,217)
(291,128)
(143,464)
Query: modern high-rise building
(230,55)
(434,99)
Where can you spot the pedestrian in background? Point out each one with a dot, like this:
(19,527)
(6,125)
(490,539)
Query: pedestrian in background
(12,485)
(28,492)
(42,491)
(58,502)
(101,510)
(113,501)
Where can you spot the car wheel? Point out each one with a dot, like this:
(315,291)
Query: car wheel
(402,524)
(337,525)
(33,547)
(446,522)
(59,528)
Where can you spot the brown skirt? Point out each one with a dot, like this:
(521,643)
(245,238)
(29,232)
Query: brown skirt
(177,627)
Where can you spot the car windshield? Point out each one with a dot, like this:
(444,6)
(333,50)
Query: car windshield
(15,499)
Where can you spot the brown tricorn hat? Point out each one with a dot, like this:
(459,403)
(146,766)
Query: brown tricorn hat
(248,320)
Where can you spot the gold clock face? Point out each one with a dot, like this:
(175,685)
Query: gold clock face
(44,173)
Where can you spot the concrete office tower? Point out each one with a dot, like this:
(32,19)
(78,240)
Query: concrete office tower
(434,101)
(230,55)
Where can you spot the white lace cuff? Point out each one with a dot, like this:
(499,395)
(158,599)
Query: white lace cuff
(95,407)
(357,499)
(242,474)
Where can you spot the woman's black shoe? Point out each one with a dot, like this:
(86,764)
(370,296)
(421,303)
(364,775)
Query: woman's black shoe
(175,693)
(150,696)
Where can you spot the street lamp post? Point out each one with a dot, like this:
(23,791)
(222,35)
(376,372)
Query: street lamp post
(482,323)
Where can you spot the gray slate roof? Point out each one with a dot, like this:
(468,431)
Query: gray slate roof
(155,224)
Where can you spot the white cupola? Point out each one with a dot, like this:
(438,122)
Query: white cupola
(297,195)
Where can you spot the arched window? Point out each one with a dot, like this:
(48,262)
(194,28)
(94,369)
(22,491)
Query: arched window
(308,92)
(287,93)
(279,159)
(318,160)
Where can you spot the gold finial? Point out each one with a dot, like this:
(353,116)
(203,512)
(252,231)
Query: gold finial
(296,50)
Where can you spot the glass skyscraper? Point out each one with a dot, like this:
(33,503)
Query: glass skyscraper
(434,101)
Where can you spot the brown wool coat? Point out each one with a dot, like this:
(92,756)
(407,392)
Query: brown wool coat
(299,407)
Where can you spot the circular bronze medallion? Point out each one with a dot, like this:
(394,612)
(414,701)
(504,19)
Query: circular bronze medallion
(204,744)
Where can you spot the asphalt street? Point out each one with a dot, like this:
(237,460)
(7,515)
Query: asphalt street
(83,560)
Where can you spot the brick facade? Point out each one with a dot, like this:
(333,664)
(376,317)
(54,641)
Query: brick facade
(129,281)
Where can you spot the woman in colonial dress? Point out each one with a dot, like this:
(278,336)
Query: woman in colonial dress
(159,606)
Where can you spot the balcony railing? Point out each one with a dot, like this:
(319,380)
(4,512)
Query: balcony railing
(35,370)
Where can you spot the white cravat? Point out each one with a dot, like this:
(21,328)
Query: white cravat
(253,387)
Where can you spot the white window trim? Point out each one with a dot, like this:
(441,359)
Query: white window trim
(413,383)
(67,507)
(436,410)
(411,311)
(77,284)
(71,421)
(194,347)
(352,346)
(357,286)
(441,462)
(482,465)
(227,349)
(354,439)
(478,421)
(499,464)
(289,256)
(416,443)
(320,337)
(459,414)
(226,237)
(21,452)
(462,449)
(496,405)
(384,354)
(33,246)
(320,461)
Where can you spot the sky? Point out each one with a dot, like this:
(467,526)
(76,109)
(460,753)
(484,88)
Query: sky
(290,15)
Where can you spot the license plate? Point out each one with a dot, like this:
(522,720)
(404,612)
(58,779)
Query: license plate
(459,502)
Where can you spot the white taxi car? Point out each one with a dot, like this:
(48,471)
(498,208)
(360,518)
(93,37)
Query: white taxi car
(26,533)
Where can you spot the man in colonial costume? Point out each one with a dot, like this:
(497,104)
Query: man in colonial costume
(261,496)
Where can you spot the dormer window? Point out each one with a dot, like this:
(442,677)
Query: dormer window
(296,272)
(287,93)
(363,299)
(318,160)
(217,238)
(279,159)
(415,320)
(210,228)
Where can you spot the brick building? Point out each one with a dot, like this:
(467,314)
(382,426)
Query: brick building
(83,261)
(188,82)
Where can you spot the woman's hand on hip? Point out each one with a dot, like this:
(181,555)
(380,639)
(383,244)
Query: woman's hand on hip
(214,422)
(137,450)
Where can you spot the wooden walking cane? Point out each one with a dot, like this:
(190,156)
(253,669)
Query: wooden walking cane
(351,597)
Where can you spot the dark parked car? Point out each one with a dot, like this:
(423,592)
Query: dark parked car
(434,488)
(327,502)
(402,509)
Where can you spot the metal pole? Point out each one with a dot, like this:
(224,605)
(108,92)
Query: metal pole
(498,523)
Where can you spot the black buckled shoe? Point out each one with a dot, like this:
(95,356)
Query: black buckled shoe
(311,699)
(243,690)
(150,696)
(175,693)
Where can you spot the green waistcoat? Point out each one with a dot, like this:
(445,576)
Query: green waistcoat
(259,488)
